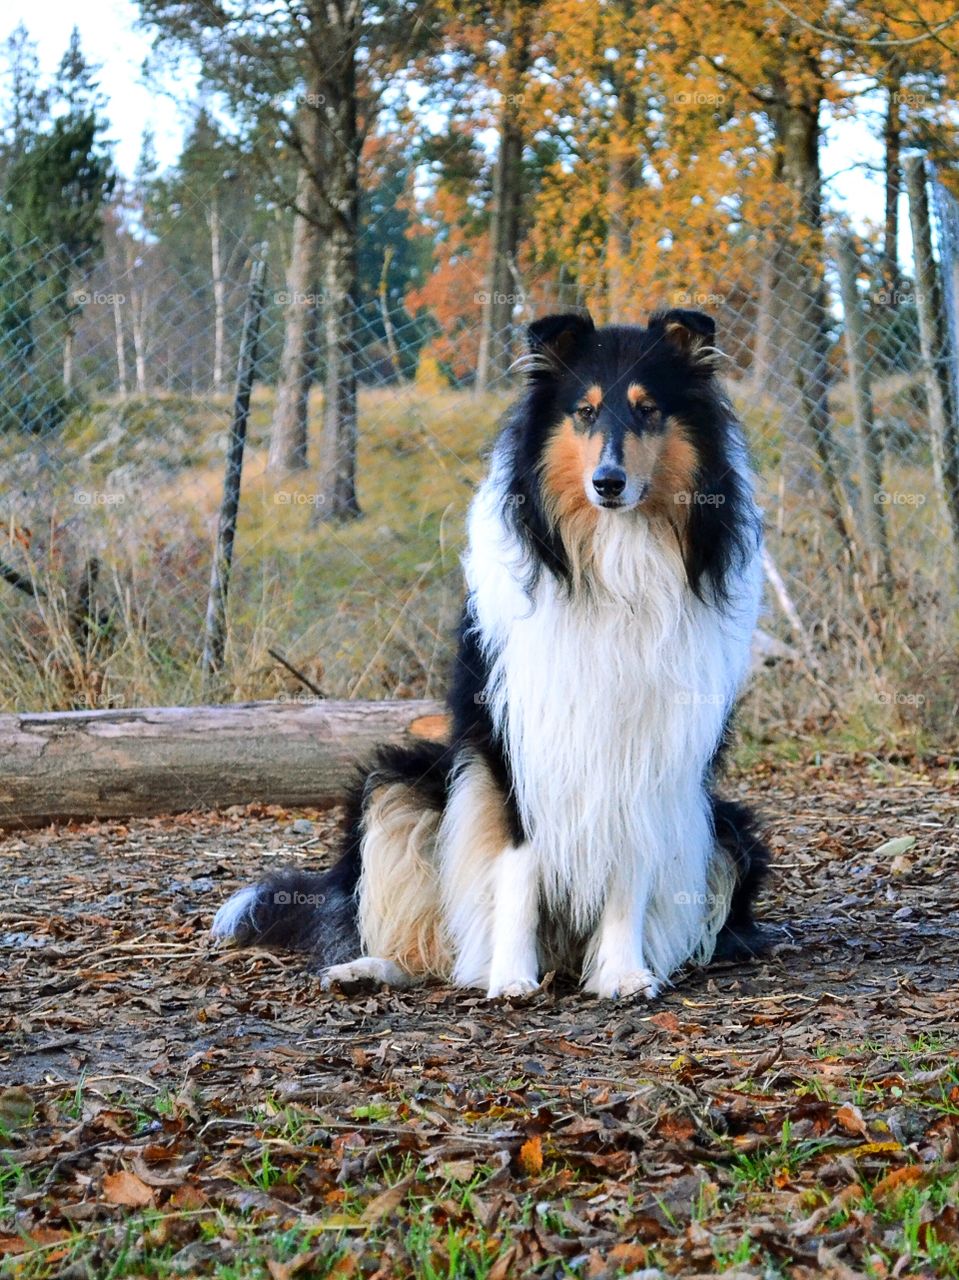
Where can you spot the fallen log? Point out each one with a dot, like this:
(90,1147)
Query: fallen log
(60,765)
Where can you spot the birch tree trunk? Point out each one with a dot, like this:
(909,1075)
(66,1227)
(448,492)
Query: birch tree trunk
(121,346)
(290,430)
(219,296)
(138,317)
(337,490)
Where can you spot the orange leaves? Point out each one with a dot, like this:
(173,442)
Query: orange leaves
(12,1245)
(899,1180)
(529,1162)
(127,1189)
(849,1118)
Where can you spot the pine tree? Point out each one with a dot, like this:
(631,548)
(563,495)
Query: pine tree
(57,187)
(25,99)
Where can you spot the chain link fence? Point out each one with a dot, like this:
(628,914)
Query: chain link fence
(116,401)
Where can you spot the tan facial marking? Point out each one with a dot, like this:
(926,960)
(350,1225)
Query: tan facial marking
(637,395)
(569,458)
(594,395)
(674,480)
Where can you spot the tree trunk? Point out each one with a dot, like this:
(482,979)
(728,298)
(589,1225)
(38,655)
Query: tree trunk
(760,371)
(289,433)
(800,288)
(623,179)
(121,346)
(868,437)
(68,354)
(219,297)
(937,355)
(892,169)
(337,182)
(338,499)
(138,309)
(496,339)
(388,330)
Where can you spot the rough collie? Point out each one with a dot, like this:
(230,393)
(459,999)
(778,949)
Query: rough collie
(613,583)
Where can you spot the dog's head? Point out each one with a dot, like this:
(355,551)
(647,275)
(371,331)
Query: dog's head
(614,394)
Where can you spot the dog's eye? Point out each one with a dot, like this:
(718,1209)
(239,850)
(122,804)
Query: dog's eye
(645,410)
(585,412)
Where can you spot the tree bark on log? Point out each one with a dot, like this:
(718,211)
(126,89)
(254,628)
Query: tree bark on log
(55,766)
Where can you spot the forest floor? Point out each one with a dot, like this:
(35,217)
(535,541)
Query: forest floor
(169,1109)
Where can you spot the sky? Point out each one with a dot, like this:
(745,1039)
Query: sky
(109,37)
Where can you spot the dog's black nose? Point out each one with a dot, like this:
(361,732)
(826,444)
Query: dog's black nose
(609,481)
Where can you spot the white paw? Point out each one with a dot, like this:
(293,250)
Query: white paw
(367,971)
(513,989)
(620,986)
(236,914)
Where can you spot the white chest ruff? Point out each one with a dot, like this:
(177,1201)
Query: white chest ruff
(610,709)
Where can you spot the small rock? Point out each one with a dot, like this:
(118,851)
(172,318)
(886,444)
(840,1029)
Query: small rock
(21,941)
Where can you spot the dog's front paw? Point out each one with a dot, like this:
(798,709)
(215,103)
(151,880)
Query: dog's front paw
(367,971)
(621,986)
(512,989)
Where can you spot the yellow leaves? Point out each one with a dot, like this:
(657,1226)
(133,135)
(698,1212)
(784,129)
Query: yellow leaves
(874,1149)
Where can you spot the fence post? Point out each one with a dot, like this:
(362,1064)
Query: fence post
(215,635)
(868,440)
(936,354)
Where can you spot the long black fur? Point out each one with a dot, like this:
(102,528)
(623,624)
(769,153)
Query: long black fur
(317,912)
(737,831)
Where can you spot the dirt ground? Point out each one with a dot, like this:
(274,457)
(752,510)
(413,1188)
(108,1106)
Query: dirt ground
(171,1109)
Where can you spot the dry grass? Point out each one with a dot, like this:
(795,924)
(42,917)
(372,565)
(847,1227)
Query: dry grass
(367,610)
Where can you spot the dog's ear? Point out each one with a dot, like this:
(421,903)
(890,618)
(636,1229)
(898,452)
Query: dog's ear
(691,333)
(552,340)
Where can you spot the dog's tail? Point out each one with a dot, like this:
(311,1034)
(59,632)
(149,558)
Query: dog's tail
(321,913)
(737,834)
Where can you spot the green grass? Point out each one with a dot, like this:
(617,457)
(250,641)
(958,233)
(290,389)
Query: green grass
(761,1169)
(431,1249)
(272,1152)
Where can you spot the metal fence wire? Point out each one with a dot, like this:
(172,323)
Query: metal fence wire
(116,398)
